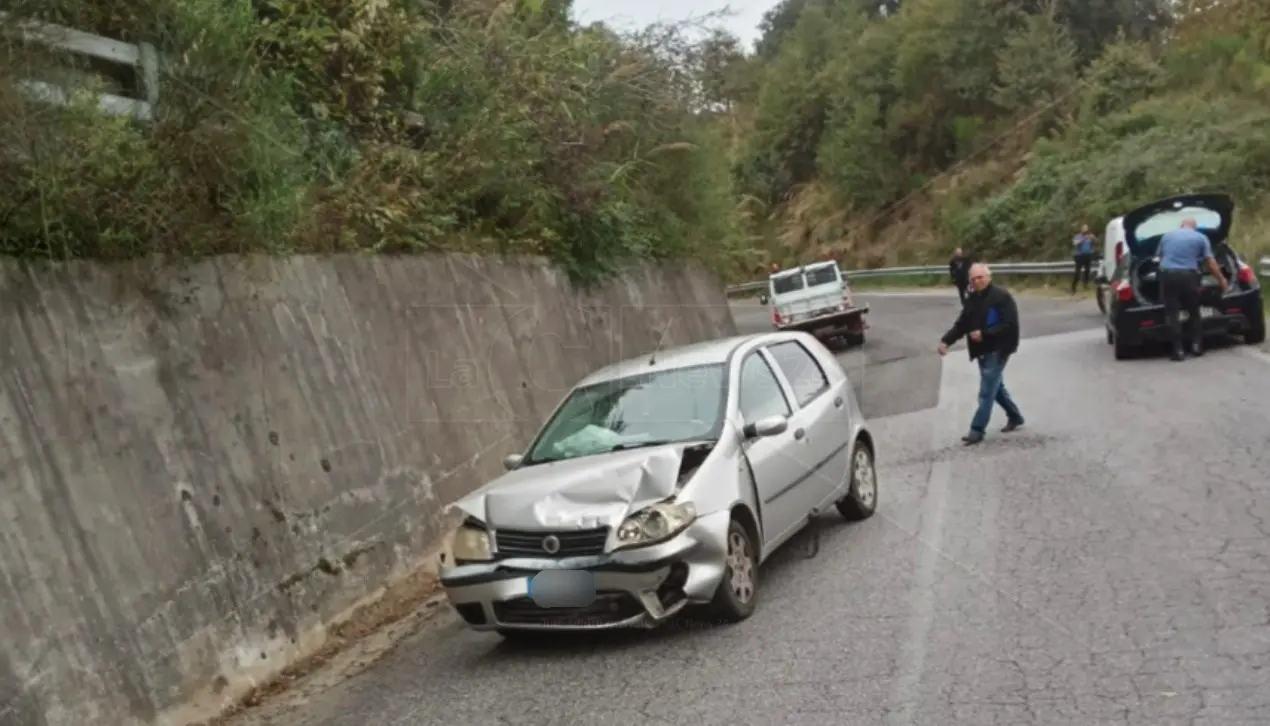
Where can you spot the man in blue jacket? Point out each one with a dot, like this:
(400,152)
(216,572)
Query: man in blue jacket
(990,322)
(1082,256)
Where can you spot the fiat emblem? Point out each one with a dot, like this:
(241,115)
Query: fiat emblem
(550,544)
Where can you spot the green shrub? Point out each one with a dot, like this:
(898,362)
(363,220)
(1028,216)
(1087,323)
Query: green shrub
(379,125)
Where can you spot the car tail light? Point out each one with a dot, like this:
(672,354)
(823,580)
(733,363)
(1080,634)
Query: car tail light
(776,317)
(1247,276)
(1124,291)
(1119,251)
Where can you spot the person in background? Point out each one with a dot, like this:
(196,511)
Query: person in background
(990,322)
(959,271)
(1182,250)
(1083,256)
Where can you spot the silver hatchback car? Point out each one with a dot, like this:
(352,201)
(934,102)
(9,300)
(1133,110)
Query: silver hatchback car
(663,482)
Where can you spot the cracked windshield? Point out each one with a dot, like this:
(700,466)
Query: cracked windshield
(719,362)
(646,410)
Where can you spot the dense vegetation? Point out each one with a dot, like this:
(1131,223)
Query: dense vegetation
(999,125)
(384,125)
(878,130)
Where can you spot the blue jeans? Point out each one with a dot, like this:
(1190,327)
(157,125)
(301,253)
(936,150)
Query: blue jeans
(992,390)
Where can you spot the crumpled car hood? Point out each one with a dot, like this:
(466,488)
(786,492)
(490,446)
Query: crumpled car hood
(583,493)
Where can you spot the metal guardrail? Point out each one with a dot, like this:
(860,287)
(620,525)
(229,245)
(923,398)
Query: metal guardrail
(1001,268)
(142,58)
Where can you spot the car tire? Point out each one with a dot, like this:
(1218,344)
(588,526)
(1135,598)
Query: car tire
(737,593)
(1122,350)
(1102,304)
(1110,337)
(1256,332)
(862,495)
(856,339)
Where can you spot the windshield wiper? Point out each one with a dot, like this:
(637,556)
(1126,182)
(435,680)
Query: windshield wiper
(642,444)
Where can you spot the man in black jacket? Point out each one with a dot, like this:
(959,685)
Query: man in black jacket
(959,271)
(989,320)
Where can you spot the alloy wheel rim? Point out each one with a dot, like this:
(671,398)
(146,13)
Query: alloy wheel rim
(866,487)
(741,566)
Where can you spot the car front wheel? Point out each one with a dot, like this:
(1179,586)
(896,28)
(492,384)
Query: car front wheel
(862,496)
(738,590)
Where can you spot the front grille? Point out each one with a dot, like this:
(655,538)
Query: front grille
(575,543)
(608,608)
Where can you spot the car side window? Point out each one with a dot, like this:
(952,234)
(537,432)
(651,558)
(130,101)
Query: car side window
(802,371)
(760,393)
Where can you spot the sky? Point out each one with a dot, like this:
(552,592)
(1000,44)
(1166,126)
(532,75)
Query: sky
(743,22)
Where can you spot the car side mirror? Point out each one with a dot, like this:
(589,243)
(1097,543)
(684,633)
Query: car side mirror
(511,461)
(766,426)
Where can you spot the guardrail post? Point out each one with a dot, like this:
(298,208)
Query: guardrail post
(149,62)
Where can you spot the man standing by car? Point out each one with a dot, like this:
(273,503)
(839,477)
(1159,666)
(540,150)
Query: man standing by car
(1082,256)
(990,322)
(1182,250)
(959,271)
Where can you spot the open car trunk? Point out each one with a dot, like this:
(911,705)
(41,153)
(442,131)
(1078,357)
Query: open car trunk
(1145,276)
(1144,227)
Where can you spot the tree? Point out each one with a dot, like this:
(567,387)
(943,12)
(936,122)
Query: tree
(1036,67)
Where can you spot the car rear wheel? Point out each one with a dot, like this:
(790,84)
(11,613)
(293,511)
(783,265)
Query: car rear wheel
(1256,332)
(1123,351)
(738,590)
(862,496)
(1102,304)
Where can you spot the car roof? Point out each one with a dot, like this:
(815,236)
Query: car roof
(685,356)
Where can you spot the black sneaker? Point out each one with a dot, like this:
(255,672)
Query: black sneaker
(1011,426)
(971,439)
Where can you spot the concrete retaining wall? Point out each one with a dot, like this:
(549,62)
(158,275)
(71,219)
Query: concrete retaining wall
(200,466)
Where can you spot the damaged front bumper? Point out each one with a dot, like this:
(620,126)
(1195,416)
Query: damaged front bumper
(638,587)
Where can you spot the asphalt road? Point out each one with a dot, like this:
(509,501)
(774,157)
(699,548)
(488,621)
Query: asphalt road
(1108,564)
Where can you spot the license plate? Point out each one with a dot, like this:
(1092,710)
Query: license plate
(1203,313)
(562,588)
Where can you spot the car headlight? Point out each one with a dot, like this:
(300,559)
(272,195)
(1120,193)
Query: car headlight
(655,524)
(471,545)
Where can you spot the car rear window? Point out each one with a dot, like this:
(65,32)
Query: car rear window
(1158,224)
(825,275)
(787,283)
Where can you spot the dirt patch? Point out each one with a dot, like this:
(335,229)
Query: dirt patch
(353,645)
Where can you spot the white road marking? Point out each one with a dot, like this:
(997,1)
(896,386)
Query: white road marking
(906,693)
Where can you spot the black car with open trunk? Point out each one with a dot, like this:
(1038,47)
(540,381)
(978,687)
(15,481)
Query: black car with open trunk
(1135,312)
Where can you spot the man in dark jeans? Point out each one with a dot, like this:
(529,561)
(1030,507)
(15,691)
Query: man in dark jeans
(959,271)
(1181,252)
(990,322)
(1083,256)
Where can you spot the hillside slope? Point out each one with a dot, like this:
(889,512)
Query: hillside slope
(999,125)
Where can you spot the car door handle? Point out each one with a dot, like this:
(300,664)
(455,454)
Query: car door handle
(799,433)
(837,402)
